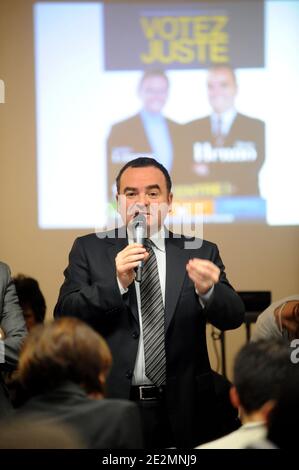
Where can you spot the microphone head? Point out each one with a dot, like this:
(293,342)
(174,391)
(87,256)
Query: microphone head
(139,228)
(139,220)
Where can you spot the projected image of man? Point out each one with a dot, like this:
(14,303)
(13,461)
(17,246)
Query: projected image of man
(228,148)
(146,133)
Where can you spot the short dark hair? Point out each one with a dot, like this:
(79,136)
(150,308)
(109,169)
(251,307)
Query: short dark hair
(259,371)
(66,349)
(153,73)
(229,67)
(143,162)
(30,295)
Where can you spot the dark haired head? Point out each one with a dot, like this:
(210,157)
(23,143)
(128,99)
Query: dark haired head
(64,350)
(153,73)
(143,162)
(259,371)
(228,67)
(30,296)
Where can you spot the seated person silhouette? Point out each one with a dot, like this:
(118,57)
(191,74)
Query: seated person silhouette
(227,148)
(280,319)
(33,305)
(63,366)
(12,334)
(31,300)
(260,370)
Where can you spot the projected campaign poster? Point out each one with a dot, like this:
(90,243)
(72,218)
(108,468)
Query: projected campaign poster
(209,89)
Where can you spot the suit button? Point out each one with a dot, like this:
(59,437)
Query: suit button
(129,374)
(135,335)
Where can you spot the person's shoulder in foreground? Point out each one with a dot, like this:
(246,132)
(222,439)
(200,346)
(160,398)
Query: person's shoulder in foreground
(12,324)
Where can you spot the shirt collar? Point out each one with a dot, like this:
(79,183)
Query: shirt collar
(157,238)
(227,117)
(147,116)
(253,424)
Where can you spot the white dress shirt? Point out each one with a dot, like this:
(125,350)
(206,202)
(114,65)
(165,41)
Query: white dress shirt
(243,437)
(227,119)
(158,239)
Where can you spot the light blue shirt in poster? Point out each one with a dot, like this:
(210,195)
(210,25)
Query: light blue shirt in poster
(157,132)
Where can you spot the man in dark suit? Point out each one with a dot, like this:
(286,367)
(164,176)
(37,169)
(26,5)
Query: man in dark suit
(12,332)
(228,148)
(146,133)
(100,288)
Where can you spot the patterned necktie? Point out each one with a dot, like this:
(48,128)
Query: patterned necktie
(219,137)
(152,311)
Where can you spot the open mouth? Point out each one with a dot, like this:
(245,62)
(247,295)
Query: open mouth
(142,213)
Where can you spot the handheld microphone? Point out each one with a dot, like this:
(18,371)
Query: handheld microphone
(139,233)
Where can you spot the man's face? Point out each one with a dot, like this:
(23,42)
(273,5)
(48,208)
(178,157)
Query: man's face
(143,190)
(153,93)
(222,89)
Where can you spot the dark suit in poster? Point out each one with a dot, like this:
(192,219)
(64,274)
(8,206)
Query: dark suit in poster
(235,164)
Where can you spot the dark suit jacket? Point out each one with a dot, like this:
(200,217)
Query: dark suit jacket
(100,424)
(13,324)
(242,175)
(91,292)
(131,137)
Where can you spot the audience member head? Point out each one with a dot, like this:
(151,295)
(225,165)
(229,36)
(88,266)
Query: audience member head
(31,300)
(64,350)
(153,90)
(260,369)
(222,88)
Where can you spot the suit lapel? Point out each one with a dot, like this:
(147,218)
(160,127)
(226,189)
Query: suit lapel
(176,260)
(131,301)
(233,131)
(115,246)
